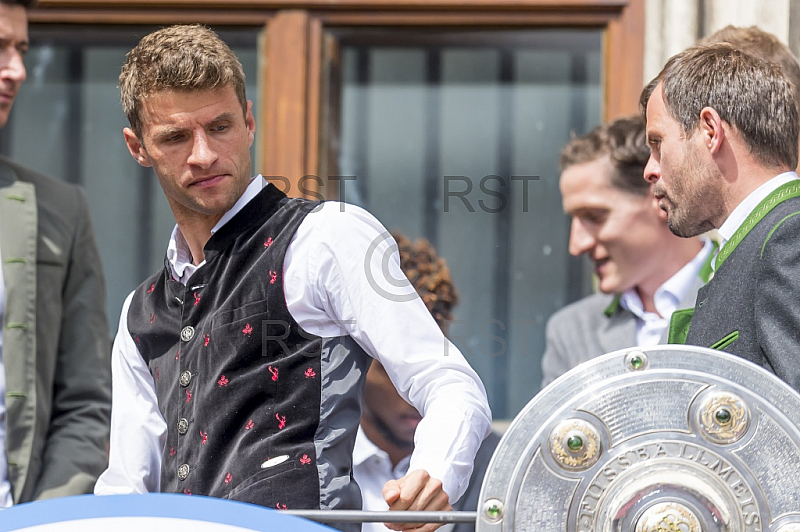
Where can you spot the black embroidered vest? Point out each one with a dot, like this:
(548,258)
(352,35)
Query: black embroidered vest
(237,379)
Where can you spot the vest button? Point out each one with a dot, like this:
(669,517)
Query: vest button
(187,333)
(183,471)
(186,378)
(183,426)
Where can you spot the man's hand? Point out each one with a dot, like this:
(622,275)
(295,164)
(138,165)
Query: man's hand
(417,491)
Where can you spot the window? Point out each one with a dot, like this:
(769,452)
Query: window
(455,137)
(67,123)
(398,93)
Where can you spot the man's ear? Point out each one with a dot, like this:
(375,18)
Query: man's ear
(136,148)
(250,122)
(711,128)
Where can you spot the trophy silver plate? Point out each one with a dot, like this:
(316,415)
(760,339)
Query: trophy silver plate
(671,438)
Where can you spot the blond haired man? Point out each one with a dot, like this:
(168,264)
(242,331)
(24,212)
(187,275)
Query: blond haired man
(237,368)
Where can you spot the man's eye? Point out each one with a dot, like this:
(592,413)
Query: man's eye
(220,128)
(595,217)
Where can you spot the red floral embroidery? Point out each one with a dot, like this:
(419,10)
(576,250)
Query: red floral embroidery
(206,339)
(228,478)
(187,492)
(188,395)
(152,287)
(172,451)
(268,243)
(196,299)
(249,425)
(273,275)
(204,435)
(223,381)
(310,373)
(305,460)
(177,354)
(137,340)
(247,330)
(152,318)
(280,506)
(274,372)
(281,421)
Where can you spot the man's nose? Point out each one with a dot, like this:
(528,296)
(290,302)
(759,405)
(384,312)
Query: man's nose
(12,66)
(580,240)
(652,171)
(202,153)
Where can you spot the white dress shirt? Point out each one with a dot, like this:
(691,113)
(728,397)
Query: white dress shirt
(341,276)
(650,326)
(5,487)
(372,468)
(743,210)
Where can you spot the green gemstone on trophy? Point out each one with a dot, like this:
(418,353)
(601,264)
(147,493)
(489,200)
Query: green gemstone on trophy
(575,443)
(723,416)
(493,511)
(637,362)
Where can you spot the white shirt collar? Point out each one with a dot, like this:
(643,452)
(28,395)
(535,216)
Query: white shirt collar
(670,294)
(179,255)
(364,449)
(743,210)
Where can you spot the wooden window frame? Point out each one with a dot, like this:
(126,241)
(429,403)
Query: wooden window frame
(290,66)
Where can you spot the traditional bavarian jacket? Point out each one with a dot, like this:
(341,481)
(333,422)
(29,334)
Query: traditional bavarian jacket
(749,308)
(241,385)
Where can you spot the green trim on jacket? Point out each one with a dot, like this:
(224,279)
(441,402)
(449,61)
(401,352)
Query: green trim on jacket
(776,197)
(679,330)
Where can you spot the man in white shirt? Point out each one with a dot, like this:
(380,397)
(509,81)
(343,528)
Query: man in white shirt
(237,368)
(385,438)
(644,272)
(723,129)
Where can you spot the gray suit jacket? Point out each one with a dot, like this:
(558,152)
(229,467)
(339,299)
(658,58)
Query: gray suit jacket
(591,327)
(56,349)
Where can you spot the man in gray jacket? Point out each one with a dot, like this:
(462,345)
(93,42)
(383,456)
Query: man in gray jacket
(54,345)
(723,127)
(643,271)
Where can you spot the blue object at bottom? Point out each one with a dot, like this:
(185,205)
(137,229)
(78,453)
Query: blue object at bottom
(190,508)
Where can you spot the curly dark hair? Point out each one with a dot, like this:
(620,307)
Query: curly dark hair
(430,276)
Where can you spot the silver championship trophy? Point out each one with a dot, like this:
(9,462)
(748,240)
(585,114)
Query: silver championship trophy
(667,439)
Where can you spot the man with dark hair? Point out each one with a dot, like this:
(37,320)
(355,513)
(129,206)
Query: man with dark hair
(763,45)
(722,125)
(54,374)
(238,367)
(385,439)
(644,272)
